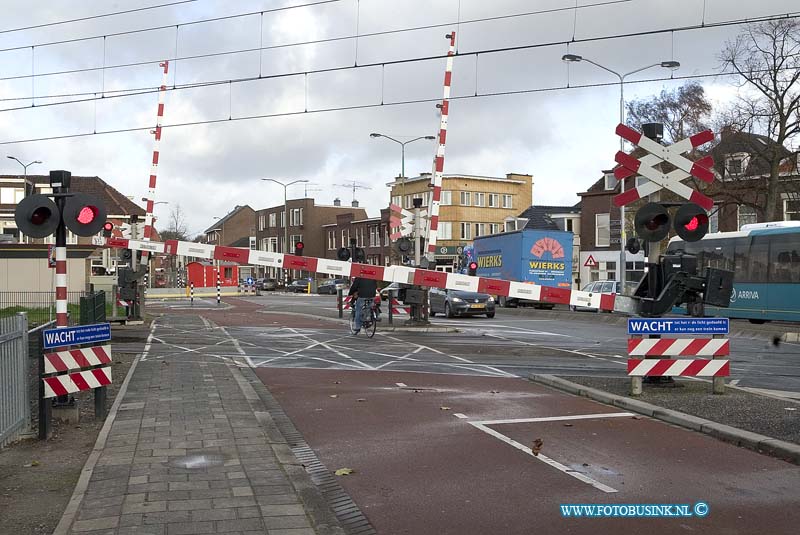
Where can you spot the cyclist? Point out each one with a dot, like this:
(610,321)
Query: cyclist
(363,290)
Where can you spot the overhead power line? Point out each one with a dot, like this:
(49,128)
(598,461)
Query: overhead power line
(93,17)
(363,107)
(124,93)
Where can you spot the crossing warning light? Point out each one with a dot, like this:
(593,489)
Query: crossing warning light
(84,214)
(37,216)
(107,228)
(298,248)
(652,222)
(472,268)
(343,254)
(691,222)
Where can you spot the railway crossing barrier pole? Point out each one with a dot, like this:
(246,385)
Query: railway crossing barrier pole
(191,293)
(717,383)
(218,296)
(339,302)
(390,301)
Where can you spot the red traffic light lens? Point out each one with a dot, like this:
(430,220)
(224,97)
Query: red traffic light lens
(41,215)
(87,215)
(298,245)
(108,226)
(695,222)
(473,265)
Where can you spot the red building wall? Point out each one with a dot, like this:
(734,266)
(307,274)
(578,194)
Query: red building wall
(205,276)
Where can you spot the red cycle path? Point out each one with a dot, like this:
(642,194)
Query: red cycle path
(421,470)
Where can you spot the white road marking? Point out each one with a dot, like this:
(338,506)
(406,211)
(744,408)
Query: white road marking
(734,382)
(462,416)
(557,418)
(149,340)
(401,385)
(543,458)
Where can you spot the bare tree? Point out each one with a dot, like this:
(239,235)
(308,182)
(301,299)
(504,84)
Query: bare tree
(683,111)
(765,58)
(176,225)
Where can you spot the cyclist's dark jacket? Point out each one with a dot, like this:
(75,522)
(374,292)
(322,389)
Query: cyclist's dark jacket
(366,288)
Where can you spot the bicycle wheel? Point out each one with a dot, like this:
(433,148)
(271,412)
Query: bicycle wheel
(372,325)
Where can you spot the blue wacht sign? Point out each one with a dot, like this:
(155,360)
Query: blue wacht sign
(678,326)
(81,334)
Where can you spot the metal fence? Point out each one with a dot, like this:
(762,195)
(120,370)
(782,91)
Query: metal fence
(14,370)
(39,306)
(93,308)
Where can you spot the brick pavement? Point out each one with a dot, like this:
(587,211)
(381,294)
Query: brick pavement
(192,449)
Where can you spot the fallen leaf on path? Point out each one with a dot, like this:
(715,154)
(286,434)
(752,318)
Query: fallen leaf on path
(585,464)
(32,463)
(444,408)
(636,417)
(337,382)
(537,446)
(344,471)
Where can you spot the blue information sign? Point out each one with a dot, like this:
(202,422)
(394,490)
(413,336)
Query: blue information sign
(249,280)
(81,334)
(678,326)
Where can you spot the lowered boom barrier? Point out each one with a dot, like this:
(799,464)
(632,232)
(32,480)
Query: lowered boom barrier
(400,274)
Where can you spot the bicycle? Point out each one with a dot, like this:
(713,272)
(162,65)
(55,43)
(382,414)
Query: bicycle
(369,318)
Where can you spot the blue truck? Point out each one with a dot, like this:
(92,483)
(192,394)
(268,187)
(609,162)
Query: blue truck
(536,256)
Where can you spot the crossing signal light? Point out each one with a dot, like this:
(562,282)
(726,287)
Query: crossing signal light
(691,222)
(633,246)
(360,256)
(472,268)
(343,254)
(298,248)
(404,246)
(84,214)
(107,228)
(652,222)
(37,216)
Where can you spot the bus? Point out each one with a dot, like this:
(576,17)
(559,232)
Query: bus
(765,260)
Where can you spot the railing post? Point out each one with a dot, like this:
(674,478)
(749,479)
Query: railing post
(339,303)
(391,301)
(718,383)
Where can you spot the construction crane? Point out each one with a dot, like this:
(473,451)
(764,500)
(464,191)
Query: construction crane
(353,186)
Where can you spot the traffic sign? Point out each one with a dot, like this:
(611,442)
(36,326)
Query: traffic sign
(81,334)
(643,326)
(403,224)
(590,262)
(249,280)
(672,154)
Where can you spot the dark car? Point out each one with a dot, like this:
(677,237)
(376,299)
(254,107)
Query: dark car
(453,303)
(298,286)
(328,286)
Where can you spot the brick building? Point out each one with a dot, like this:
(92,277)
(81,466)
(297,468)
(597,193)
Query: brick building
(371,234)
(236,225)
(307,221)
(470,206)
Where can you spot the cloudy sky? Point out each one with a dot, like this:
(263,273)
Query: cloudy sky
(525,118)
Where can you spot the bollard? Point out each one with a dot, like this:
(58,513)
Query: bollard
(339,302)
(718,383)
(191,293)
(218,300)
(636,382)
(391,300)
(100,396)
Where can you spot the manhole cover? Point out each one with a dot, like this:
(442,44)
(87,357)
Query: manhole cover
(198,461)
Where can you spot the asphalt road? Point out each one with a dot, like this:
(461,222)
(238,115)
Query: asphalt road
(516,342)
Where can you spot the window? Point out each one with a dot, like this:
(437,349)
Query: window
(511,225)
(746,215)
(360,237)
(264,242)
(602,232)
(466,233)
(611,181)
(507,201)
(374,236)
(262,219)
(445,230)
(480,199)
(272,220)
(294,239)
(713,221)
(252,242)
(283,218)
(446,198)
(494,200)
(480,229)
(494,228)
(272,244)
(227,272)
(331,240)
(409,203)
(465,198)
(11,195)
(735,165)
(784,259)
(296,217)
(385,234)
(397,200)
(568,225)
(791,210)
(346,238)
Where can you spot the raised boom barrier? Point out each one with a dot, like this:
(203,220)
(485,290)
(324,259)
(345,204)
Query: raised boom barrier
(401,274)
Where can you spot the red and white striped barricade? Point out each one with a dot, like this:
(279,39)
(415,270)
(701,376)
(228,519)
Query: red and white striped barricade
(648,353)
(66,371)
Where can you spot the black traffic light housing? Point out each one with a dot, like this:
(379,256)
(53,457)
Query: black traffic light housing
(404,246)
(108,227)
(652,222)
(298,248)
(633,246)
(84,214)
(37,216)
(472,268)
(343,254)
(360,256)
(691,222)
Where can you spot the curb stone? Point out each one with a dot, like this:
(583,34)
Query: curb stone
(761,443)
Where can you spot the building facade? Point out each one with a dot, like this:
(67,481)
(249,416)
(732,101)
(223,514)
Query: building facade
(306,224)
(371,234)
(470,206)
(238,224)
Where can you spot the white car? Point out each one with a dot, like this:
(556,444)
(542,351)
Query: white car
(605,287)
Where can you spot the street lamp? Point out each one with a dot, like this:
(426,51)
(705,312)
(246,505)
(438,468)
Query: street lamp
(672,65)
(25,167)
(286,215)
(402,155)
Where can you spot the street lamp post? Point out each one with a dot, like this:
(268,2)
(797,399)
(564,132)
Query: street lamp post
(286,217)
(672,65)
(25,167)
(402,155)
